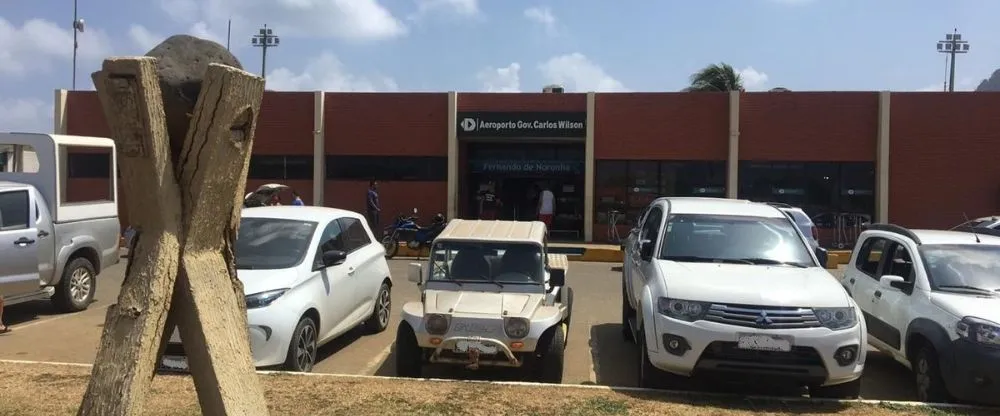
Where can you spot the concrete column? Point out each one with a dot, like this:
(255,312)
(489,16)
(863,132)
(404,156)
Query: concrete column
(59,112)
(319,147)
(452,154)
(882,159)
(733,158)
(589,170)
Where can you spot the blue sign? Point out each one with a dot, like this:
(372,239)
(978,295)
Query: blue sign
(526,166)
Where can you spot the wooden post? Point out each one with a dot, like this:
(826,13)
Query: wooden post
(186,212)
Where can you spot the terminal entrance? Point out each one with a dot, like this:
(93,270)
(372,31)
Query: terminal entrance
(519,172)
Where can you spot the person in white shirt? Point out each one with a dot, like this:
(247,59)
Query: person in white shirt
(546,205)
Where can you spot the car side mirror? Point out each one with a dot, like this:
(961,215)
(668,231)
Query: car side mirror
(415,273)
(823,256)
(333,257)
(893,281)
(557,277)
(646,250)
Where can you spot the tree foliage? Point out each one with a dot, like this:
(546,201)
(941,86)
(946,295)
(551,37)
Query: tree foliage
(716,77)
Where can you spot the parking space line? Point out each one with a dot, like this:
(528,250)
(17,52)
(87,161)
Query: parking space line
(56,318)
(376,362)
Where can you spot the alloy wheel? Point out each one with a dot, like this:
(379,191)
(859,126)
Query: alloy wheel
(80,284)
(384,307)
(305,350)
(923,379)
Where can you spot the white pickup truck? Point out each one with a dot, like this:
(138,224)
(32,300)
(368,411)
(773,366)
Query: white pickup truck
(50,247)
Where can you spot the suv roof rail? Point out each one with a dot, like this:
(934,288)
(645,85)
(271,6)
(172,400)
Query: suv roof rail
(779,204)
(893,228)
(978,230)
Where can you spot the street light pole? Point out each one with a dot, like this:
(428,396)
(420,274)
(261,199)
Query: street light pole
(263,40)
(952,45)
(77,28)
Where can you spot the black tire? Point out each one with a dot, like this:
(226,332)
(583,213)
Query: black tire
(651,377)
(379,320)
(848,390)
(77,286)
(391,245)
(927,374)
(409,355)
(550,364)
(627,313)
(302,349)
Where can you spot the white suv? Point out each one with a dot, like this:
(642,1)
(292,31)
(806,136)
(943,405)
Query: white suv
(931,300)
(730,287)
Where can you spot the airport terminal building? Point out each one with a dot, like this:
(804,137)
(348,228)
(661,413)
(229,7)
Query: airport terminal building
(916,159)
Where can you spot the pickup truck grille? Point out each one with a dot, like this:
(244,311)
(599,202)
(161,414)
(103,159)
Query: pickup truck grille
(764,317)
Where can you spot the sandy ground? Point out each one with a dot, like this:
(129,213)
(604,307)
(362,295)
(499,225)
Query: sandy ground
(51,390)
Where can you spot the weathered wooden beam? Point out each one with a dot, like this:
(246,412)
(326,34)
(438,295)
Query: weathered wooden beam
(211,310)
(130,97)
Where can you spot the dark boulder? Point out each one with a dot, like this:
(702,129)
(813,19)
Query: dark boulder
(182,61)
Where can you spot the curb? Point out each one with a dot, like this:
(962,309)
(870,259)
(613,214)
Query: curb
(581,387)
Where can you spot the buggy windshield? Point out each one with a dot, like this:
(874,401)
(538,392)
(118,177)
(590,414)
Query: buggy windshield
(473,262)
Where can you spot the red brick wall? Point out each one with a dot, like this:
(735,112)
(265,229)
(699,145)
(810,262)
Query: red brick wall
(809,126)
(661,126)
(481,101)
(84,116)
(405,124)
(944,149)
(285,124)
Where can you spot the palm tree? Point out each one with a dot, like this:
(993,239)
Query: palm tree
(716,77)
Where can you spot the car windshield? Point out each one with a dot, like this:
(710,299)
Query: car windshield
(272,243)
(468,262)
(962,266)
(734,239)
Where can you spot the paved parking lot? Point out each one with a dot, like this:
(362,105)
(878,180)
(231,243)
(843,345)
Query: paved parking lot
(596,353)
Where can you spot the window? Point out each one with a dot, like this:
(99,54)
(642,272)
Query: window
(331,239)
(272,243)
(470,262)
(900,264)
(88,165)
(734,239)
(387,168)
(833,194)
(870,256)
(14,210)
(651,225)
(962,268)
(630,185)
(355,236)
(280,167)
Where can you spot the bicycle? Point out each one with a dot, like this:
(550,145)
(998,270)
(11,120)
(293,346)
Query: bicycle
(613,217)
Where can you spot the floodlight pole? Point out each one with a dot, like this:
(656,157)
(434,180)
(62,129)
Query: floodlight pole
(264,39)
(77,28)
(952,45)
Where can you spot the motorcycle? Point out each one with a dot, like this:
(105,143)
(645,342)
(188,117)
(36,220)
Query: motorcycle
(405,228)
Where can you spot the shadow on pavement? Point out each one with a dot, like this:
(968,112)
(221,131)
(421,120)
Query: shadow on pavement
(339,343)
(23,313)
(886,379)
(614,359)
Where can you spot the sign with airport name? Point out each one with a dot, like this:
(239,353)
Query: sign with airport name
(522,124)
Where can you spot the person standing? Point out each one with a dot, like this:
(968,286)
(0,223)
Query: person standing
(296,199)
(373,207)
(488,202)
(546,205)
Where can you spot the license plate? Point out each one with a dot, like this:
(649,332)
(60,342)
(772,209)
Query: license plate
(465,346)
(175,363)
(760,342)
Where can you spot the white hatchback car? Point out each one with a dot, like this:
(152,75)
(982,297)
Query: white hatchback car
(310,274)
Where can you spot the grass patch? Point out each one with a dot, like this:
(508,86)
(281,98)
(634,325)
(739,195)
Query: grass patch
(174,395)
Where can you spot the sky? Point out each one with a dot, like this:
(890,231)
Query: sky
(508,45)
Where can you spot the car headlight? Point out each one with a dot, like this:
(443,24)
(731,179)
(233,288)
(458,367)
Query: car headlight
(836,318)
(979,331)
(262,299)
(682,309)
(516,327)
(436,324)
